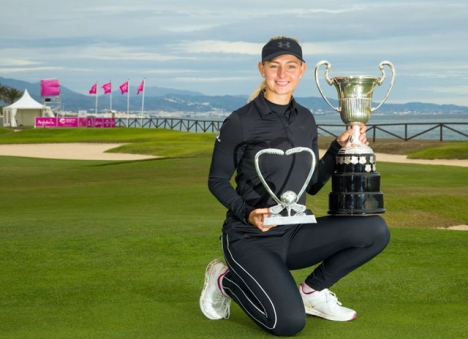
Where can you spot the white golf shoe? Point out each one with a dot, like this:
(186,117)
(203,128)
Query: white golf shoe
(213,302)
(325,304)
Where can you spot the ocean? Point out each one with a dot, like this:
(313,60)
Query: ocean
(452,124)
(395,124)
(416,123)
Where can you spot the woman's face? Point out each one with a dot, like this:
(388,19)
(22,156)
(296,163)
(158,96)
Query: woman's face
(282,76)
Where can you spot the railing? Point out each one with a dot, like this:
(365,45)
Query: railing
(407,135)
(440,126)
(408,130)
(186,125)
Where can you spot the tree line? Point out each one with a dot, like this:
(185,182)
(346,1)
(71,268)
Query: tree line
(9,94)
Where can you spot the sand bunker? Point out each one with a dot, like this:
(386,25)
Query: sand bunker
(72,151)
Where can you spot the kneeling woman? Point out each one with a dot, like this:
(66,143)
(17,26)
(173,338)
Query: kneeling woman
(259,258)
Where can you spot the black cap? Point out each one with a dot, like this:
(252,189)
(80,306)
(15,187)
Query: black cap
(281,46)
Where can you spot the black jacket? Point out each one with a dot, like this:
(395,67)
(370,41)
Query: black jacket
(248,130)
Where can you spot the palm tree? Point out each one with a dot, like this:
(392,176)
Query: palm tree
(3,89)
(10,95)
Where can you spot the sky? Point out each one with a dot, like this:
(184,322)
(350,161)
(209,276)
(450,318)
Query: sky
(213,46)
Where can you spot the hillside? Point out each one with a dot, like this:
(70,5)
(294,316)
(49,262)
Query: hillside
(173,100)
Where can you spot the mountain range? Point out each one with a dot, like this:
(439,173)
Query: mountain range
(173,100)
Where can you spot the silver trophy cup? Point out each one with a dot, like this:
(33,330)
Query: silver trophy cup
(355,99)
(355,184)
(288,200)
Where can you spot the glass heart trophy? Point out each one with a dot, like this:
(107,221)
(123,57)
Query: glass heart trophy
(287,211)
(355,183)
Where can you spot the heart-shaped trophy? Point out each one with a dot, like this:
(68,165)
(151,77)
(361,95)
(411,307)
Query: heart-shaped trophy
(289,199)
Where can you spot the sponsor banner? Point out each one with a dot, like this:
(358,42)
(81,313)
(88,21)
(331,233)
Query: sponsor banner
(67,122)
(82,122)
(109,122)
(75,122)
(98,123)
(46,122)
(90,122)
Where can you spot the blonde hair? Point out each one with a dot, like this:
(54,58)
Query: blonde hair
(263,85)
(260,88)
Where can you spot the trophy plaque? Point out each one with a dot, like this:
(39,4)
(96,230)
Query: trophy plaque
(355,183)
(293,213)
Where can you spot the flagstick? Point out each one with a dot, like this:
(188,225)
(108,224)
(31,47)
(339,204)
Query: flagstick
(110,109)
(143,101)
(97,92)
(128,98)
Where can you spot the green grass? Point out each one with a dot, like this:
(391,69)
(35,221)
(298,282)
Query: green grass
(424,196)
(181,144)
(159,142)
(452,150)
(95,249)
(415,148)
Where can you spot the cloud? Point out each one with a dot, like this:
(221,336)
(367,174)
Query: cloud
(17,62)
(344,9)
(452,90)
(217,46)
(29,69)
(119,52)
(214,79)
(172,71)
(187,44)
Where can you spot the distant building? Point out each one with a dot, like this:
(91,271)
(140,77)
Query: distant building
(24,112)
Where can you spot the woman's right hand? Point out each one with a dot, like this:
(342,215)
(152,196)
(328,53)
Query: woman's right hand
(257,216)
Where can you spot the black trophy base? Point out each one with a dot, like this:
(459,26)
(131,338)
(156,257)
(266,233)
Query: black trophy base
(355,203)
(355,186)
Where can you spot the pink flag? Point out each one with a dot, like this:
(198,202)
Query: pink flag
(50,88)
(93,89)
(107,88)
(141,87)
(124,87)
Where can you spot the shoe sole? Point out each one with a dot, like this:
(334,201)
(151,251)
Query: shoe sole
(319,314)
(205,285)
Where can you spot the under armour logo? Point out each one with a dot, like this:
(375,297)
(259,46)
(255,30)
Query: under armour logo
(284,44)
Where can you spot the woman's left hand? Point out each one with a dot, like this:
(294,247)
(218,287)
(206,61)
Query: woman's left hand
(346,135)
(257,216)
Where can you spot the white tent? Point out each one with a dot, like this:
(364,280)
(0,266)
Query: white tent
(24,112)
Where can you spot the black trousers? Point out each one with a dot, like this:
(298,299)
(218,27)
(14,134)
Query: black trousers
(260,282)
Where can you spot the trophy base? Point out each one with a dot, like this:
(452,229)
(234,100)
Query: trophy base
(280,220)
(356,184)
(356,203)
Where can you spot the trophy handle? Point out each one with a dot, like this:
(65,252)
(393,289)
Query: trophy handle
(281,152)
(260,175)
(381,67)
(312,168)
(329,81)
